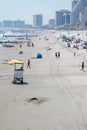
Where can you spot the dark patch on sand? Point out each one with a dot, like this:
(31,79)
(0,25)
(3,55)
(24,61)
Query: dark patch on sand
(36,100)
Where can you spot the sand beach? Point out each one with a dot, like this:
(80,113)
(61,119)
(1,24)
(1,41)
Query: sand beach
(54,93)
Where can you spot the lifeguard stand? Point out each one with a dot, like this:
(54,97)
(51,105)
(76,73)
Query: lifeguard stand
(18,73)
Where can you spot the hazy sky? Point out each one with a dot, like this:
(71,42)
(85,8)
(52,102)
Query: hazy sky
(25,9)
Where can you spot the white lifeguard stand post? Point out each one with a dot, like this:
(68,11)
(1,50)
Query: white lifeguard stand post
(18,73)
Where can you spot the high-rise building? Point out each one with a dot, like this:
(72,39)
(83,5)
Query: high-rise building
(19,24)
(59,18)
(85,16)
(78,7)
(0,24)
(62,17)
(37,20)
(13,24)
(74,2)
(7,24)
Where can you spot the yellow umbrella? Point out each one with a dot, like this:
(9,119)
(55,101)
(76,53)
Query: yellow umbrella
(12,62)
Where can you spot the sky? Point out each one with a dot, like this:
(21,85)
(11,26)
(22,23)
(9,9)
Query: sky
(25,9)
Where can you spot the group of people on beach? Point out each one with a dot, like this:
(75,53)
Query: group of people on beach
(57,54)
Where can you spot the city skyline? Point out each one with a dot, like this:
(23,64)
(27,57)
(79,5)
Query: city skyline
(25,9)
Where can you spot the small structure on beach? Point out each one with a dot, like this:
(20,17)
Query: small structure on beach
(18,71)
(39,55)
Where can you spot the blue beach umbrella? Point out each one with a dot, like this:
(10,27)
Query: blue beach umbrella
(39,55)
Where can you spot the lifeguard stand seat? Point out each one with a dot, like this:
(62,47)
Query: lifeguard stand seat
(18,73)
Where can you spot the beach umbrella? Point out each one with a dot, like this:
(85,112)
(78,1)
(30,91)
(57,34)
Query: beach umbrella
(14,61)
(85,43)
(69,38)
(39,55)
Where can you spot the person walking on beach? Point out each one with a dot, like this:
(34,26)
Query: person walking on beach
(58,54)
(28,63)
(32,44)
(83,65)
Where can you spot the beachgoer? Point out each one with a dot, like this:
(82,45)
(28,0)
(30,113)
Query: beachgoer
(28,63)
(32,44)
(58,54)
(83,65)
(74,53)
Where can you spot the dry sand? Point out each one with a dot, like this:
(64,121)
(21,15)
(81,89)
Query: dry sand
(55,96)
